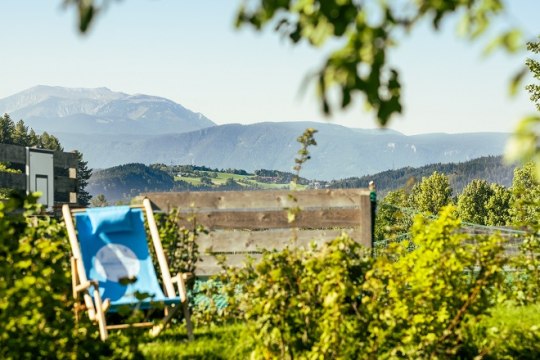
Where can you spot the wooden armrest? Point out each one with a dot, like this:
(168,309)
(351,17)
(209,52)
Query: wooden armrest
(180,279)
(86,285)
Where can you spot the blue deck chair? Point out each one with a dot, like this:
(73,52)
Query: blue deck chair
(112,266)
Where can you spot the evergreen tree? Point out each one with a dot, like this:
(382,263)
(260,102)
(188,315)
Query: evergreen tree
(7,128)
(50,142)
(83,175)
(33,139)
(20,134)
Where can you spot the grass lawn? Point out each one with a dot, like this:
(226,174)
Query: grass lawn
(216,342)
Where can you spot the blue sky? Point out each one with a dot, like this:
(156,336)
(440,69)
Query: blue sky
(188,51)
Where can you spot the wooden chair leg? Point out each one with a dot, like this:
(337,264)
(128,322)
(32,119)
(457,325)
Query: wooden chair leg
(182,289)
(159,327)
(100,316)
(74,277)
(187,316)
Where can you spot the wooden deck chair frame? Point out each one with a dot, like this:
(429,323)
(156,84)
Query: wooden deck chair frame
(97,307)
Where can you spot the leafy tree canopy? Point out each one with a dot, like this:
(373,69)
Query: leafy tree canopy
(498,206)
(432,193)
(485,204)
(534,68)
(391,218)
(525,144)
(526,197)
(472,202)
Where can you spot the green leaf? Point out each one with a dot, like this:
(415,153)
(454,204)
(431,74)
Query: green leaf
(516,81)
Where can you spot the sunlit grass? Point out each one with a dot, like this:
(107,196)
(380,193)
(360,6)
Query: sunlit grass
(216,342)
(243,180)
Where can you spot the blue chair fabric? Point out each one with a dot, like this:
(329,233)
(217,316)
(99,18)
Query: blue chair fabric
(114,247)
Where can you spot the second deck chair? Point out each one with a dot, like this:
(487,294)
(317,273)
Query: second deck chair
(109,245)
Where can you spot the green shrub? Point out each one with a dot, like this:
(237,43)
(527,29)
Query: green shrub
(5,193)
(179,242)
(417,303)
(524,279)
(337,302)
(35,289)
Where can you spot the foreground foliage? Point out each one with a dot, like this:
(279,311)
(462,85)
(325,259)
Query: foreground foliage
(36,305)
(338,302)
(523,146)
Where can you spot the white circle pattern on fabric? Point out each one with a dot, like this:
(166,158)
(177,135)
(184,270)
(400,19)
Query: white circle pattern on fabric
(115,261)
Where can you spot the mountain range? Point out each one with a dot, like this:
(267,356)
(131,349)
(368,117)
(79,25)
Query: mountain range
(113,128)
(99,111)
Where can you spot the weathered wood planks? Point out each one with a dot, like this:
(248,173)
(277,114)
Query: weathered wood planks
(245,222)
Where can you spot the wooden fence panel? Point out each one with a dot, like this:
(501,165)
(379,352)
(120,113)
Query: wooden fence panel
(237,241)
(270,219)
(243,223)
(209,265)
(278,199)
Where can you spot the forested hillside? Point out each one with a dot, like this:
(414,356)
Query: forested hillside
(121,183)
(127,181)
(490,168)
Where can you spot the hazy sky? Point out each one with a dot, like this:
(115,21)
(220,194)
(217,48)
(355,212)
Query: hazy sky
(189,52)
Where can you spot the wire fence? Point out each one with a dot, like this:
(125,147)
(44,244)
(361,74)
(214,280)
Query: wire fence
(512,238)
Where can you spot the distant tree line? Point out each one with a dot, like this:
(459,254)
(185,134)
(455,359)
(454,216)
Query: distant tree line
(277,177)
(20,134)
(490,168)
(198,170)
